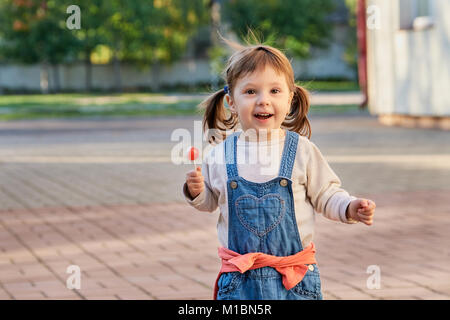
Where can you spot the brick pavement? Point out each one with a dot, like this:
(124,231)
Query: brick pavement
(168,251)
(69,197)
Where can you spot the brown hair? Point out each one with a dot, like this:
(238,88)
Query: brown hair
(243,61)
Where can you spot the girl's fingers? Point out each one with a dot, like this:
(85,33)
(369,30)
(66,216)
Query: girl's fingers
(367,221)
(364,216)
(366,212)
(369,207)
(195,181)
(193,175)
(195,178)
(370,204)
(196,185)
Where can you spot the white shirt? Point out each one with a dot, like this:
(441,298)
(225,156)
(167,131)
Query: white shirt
(315,187)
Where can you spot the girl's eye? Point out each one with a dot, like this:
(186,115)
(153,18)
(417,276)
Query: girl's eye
(251,91)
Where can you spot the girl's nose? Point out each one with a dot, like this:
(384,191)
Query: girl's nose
(263,98)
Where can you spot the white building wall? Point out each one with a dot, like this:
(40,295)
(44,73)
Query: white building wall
(380,59)
(12,76)
(409,70)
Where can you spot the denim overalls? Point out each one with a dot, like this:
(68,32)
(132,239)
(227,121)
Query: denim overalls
(262,219)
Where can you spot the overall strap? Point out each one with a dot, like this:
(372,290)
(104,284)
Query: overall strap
(230,155)
(289,152)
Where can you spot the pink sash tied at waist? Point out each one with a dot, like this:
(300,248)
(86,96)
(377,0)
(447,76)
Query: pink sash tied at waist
(292,268)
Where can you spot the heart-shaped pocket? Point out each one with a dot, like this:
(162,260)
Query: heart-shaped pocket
(260,215)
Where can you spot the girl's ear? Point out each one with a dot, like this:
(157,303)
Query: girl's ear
(291,96)
(230,103)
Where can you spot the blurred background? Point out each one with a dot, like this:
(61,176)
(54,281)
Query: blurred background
(91,93)
(158,47)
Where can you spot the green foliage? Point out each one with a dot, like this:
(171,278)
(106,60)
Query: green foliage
(137,31)
(91,34)
(351,5)
(32,31)
(296,25)
(143,32)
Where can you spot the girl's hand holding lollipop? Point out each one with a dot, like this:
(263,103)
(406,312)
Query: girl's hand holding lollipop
(194,178)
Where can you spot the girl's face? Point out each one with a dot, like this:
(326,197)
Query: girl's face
(261,100)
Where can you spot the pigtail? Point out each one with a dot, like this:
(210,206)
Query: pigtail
(297,119)
(215,117)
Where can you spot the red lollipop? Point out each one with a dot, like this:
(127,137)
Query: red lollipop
(193,154)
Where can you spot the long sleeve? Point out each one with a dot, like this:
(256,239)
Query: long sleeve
(324,188)
(206,200)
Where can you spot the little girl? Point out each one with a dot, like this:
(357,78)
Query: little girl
(266,221)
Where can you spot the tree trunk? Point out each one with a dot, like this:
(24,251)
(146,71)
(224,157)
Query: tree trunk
(44,78)
(155,76)
(56,78)
(88,69)
(117,74)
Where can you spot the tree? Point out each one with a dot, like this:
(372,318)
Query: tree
(140,32)
(151,33)
(94,13)
(296,25)
(35,32)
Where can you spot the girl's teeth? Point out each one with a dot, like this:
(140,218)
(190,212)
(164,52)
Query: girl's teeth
(263,116)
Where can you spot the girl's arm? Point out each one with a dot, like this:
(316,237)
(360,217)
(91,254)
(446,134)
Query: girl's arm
(324,188)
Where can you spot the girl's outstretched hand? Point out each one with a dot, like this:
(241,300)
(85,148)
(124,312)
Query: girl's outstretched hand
(195,182)
(361,210)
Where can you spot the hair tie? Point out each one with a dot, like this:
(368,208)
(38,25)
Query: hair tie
(226,89)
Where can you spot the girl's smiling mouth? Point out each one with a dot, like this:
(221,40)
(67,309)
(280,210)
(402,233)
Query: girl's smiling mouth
(262,116)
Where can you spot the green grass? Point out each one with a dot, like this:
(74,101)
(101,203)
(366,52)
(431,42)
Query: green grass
(332,109)
(15,107)
(331,86)
(73,98)
(85,105)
